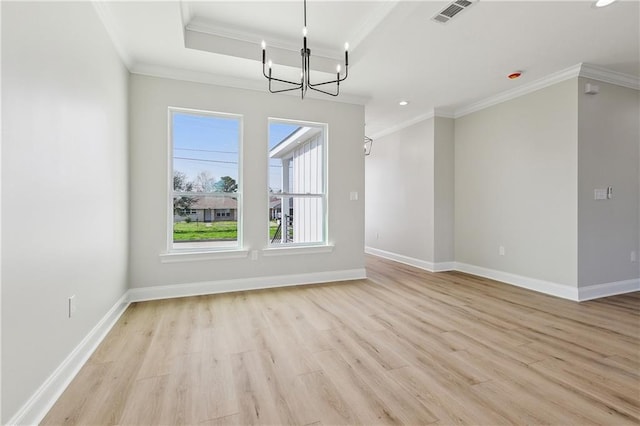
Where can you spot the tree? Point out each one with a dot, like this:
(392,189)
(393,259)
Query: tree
(182,203)
(205,182)
(226,184)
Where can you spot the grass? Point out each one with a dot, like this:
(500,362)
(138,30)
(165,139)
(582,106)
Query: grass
(214,231)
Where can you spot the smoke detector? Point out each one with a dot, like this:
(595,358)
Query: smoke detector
(451,10)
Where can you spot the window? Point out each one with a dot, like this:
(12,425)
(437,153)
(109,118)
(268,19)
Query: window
(205,199)
(297,182)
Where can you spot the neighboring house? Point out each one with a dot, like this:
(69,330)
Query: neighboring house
(210,209)
(275,208)
(301,155)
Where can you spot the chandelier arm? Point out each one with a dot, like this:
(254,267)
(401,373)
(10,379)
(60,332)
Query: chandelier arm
(346,73)
(325,92)
(277,79)
(283,81)
(297,86)
(282,90)
(324,82)
(337,80)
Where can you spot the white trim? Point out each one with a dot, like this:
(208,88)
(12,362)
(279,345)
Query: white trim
(444,266)
(597,291)
(371,22)
(608,76)
(442,113)
(580,70)
(411,261)
(541,286)
(232,82)
(275,250)
(110,24)
(403,125)
(525,89)
(34,410)
(225,286)
(558,290)
(196,256)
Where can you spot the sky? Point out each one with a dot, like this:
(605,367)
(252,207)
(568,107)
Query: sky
(206,143)
(210,143)
(277,133)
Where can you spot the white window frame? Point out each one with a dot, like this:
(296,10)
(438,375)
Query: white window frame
(295,248)
(173,254)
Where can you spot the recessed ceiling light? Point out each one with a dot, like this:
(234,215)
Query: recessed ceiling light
(514,75)
(603,3)
(403,103)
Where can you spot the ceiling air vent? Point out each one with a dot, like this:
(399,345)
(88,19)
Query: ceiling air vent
(451,10)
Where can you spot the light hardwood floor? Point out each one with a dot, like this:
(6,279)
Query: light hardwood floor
(404,346)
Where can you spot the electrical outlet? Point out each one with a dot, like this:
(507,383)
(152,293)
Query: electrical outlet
(501,251)
(634,256)
(254,254)
(72,305)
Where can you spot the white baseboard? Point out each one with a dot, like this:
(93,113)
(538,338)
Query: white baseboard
(225,286)
(541,286)
(34,410)
(597,291)
(577,294)
(412,261)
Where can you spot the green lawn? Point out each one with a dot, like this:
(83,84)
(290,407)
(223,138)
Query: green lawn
(198,231)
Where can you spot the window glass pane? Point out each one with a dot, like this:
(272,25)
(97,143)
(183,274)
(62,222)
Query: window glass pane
(302,221)
(206,200)
(210,222)
(296,183)
(279,132)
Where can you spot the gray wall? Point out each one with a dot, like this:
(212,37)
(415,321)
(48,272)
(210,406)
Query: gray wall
(149,99)
(519,175)
(410,177)
(608,145)
(400,192)
(516,185)
(444,190)
(64,187)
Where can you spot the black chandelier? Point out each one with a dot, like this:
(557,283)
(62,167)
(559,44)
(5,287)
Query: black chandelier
(305,81)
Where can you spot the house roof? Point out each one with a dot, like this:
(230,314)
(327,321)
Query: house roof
(215,202)
(274,202)
(284,148)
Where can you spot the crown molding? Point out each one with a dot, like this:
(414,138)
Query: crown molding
(372,21)
(441,113)
(403,125)
(525,89)
(580,70)
(110,24)
(233,82)
(607,76)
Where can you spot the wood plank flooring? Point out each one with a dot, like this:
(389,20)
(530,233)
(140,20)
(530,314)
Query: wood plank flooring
(401,347)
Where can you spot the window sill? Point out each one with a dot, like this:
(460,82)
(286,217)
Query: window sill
(196,256)
(284,251)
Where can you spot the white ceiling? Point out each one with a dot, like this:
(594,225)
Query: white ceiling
(396,51)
